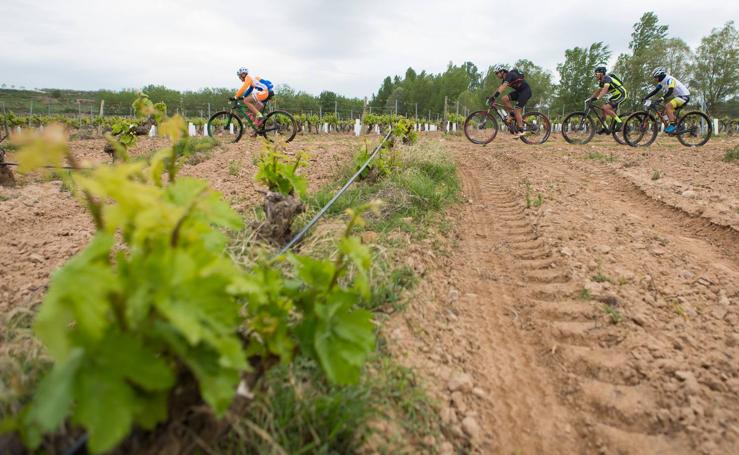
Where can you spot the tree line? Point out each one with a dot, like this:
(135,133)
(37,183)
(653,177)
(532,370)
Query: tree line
(711,72)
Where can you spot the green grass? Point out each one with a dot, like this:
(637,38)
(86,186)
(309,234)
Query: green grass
(613,313)
(387,294)
(585,294)
(233,167)
(196,149)
(297,411)
(387,412)
(732,155)
(423,181)
(601,278)
(656,175)
(598,156)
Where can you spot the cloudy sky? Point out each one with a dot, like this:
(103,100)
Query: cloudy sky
(340,45)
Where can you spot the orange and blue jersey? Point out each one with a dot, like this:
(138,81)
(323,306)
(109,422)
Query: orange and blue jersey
(251,84)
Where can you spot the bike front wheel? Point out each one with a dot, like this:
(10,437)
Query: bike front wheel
(578,128)
(694,129)
(279,125)
(640,129)
(537,128)
(225,126)
(480,127)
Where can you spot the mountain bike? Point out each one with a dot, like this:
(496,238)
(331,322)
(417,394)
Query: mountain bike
(481,127)
(579,127)
(641,128)
(228,127)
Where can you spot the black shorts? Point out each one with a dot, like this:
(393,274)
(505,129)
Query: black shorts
(615,102)
(521,96)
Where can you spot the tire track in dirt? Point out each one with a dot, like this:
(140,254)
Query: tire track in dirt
(623,409)
(603,321)
(526,415)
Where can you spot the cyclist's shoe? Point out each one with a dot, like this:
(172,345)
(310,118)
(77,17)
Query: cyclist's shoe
(519,134)
(671,128)
(603,131)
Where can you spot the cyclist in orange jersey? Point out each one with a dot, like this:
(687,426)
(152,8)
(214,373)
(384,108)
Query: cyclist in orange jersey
(255,91)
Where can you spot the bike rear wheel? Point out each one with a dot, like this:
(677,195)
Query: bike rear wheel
(640,129)
(578,128)
(694,129)
(225,126)
(480,127)
(279,125)
(537,128)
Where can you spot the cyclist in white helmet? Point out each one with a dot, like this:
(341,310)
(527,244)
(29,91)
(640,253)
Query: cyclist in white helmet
(255,91)
(676,94)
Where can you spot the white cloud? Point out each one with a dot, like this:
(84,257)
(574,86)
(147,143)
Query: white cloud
(345,46)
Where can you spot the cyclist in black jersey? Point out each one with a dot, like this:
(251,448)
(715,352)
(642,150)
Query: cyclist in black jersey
(611,85)
(520,94)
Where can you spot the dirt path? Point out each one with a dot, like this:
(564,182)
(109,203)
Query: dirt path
(42,225)
(601,319)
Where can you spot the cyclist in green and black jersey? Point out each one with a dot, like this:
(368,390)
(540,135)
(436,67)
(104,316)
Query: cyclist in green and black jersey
(611,85)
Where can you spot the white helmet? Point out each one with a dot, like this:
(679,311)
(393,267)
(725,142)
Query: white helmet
(660,71)
(498,68)
(242,70)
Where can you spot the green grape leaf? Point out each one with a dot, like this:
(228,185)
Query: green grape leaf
(79,291)
(360,255)
(53,398)
(313,272)
(343,337)
(106,405)
(126,356)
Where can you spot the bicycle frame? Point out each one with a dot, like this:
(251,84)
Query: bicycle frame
(653,107)
(241,107)
(497,108)
(599,114)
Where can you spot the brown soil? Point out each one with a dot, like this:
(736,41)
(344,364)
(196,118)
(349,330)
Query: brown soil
(603,320)
(42,225)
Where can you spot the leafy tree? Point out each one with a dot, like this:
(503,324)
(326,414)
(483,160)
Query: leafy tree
(576,75)
(716,67)
(647,48)
(540,81)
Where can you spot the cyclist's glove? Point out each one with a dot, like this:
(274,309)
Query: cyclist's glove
(496,95)
(233,98)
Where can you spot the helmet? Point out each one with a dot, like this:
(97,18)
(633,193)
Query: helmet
(498,68)
(242,70)
(601,70)
(659,72)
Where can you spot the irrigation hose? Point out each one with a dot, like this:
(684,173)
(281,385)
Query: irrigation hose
(299,236)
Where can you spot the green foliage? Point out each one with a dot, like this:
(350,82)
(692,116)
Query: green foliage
(326,293)
(145,108)
(650,47)
(716,67)
(380,166)
(731,155)
(279,171)
(612,312)
(121,320)
(577,81)
(154,296)
(405,131)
